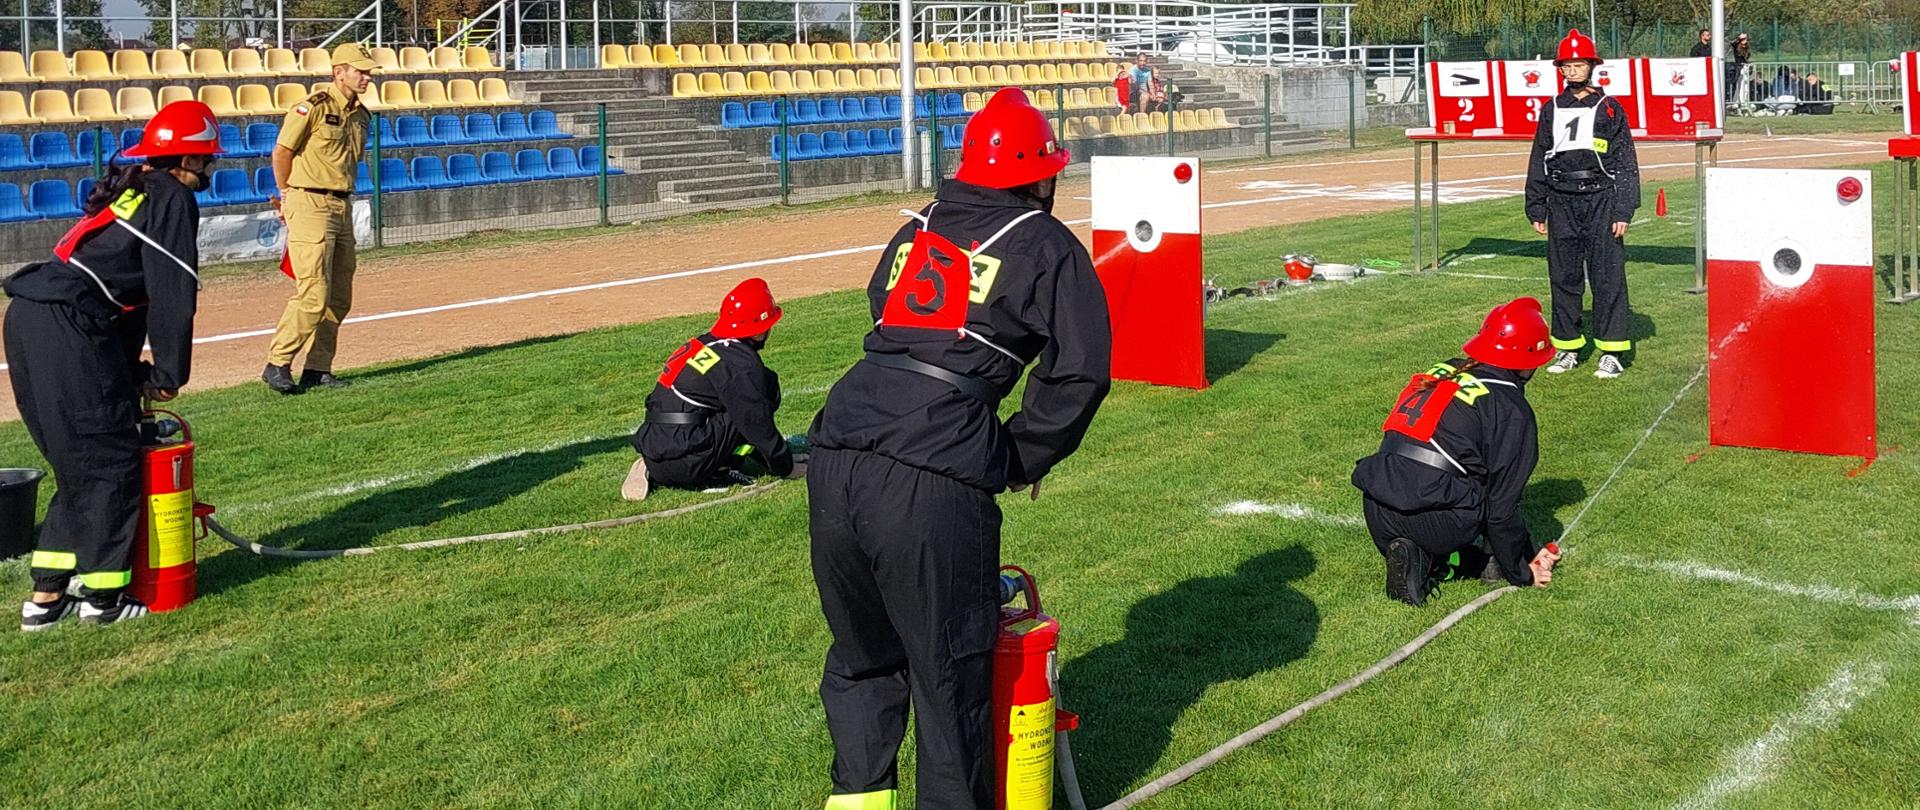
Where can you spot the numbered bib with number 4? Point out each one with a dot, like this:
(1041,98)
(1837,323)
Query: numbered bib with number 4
(1416,414)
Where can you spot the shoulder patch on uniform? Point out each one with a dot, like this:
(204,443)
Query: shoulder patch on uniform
(128,203)
(300,109)
(704,360)
(319,97)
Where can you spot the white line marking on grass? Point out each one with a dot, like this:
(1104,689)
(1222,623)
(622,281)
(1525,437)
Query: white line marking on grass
(1759,761)
(1290,511)
(1850,597)
(1644,435)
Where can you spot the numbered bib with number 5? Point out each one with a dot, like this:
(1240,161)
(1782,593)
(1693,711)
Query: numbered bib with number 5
(1572,129)
(933,288)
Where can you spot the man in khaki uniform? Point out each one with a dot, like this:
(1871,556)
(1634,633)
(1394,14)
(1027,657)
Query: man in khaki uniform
(314,164)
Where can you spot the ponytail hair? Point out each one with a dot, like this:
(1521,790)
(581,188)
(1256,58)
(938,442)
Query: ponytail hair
(122,178)
(1435,380)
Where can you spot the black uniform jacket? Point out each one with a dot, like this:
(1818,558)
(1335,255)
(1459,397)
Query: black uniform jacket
(151,284)
(1035,295)
(1489,429)
(1616,172)
(728,377)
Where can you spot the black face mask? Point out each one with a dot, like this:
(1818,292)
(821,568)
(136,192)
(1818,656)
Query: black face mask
(201,182)
(1041,193)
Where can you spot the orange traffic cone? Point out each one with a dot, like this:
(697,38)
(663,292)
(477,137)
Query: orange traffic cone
(1660,204)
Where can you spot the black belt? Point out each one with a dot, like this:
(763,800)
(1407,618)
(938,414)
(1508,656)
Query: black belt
(979,389)
(1405,448)
(1579,175)
(677,418)
(341,195)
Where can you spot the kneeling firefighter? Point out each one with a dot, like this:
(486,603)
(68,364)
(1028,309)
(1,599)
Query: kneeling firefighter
(127,274)
(909,452)
(710,415)
(1459,446)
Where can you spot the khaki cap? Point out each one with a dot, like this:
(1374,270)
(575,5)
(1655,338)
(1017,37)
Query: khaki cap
(352,55)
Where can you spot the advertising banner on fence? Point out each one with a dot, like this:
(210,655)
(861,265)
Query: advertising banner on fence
(261,236)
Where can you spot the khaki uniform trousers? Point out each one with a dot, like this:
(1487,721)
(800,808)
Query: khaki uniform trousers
(320,241)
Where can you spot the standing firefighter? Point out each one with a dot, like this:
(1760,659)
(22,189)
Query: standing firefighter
(1583,185)
(909,452)
(313,165)
(127,274)
(711,411)
(1459,446)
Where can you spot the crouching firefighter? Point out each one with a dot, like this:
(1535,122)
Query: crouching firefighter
(1460,443)
(1583,185)
(710,415)
(127,274)
(909,453)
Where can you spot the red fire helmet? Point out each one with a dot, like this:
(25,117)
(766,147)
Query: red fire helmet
(748,311)
(1514,336)
(1577,46)
(1009,143)
(180,128)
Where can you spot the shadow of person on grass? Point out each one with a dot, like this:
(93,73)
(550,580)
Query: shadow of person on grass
(358,523)
(473,353)
(1229,350)
(1544,499)
(1536,248)
(1179,643)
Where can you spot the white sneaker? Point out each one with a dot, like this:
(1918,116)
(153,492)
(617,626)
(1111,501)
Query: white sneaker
(127,608)
(636,486)
(1563,362)
(1609,367)
(36,617)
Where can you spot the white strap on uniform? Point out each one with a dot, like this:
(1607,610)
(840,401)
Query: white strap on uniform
(926,222)
(156,246)
(77,265)
(1496,382)
(675,390)
(1448,456)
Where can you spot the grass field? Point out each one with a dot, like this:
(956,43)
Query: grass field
(673,664)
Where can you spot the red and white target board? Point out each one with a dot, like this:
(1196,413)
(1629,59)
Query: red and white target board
(1620,78)
(1525,87)
(1460,99)
(1909,68)
(1146,249)
(1678,98)
(1791,309)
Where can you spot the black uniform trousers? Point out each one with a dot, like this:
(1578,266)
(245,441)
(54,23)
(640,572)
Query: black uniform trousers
(703,466)
(1582,250)
(75,382)
(1439,532)
(907,563)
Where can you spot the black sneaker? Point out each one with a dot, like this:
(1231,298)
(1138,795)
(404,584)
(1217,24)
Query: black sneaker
(35,617)
(280,378)
(123,607)
(1409,572)
(1492,575)
(322,379)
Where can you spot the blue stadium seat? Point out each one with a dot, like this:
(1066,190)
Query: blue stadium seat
(411,130)
(394,176)
(129,137)
(13,208)
(733,115)
(52,150)
(805,147)
(873,108)
(482,128)
(384,133)
(851,110)
(81,190)
(546,125)
(892,105)
(563,162)
(952,106)
(13,155)
(590,161)
(881,143)
(362,179)
(446,129)
(828,111)
(955,135)
(762,114)
(920,108)
(52,199)
(88,144)
(261,137)
(206,198)
(513,127)
(833,144)
(230,186)
(464,169)
(805,111)
(429,172)
(232,143)
(531,164)
(857,143)
(263,183)
(775,145)
(497,167)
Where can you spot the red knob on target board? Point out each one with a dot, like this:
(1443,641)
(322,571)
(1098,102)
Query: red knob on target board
(1849,190)
(1660,204)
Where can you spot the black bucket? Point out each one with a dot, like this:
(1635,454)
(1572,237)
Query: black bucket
(19,499)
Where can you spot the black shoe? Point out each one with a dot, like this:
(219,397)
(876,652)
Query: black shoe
(1409,572)
(323,379)
(280,378)
(1491,574)
(118,608)
(35,617)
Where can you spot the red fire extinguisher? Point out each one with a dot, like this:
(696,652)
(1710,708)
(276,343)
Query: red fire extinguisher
(1025,697)
(171,522)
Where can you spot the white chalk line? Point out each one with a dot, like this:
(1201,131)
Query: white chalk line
(1831,594)
(1617,468)
(1290,511)
(1759,761)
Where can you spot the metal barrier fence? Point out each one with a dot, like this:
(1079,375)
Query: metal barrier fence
(1772,40)
(1811,88)
(191,24)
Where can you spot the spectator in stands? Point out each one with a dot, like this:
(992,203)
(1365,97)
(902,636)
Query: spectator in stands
(314,165)
(1783,94)
(1703,48)
(1137,80)
(1739,67)
(1816,99)
(126,274)
(1122,85)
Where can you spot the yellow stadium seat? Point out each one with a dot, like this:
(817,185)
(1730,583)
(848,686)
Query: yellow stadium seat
(826,81)
(1082,72)
(666,56)
(733,83)
(885,52)
(942,77)
(372,94)
(53,107)
(780,81)
(370,99)
(982,75)
(972,101)
(13,109)
(1094,125)
(1076,49)
(280,61)
(846,79)
(1071,130)
(1024,50)
(95,104)
(430,93)
(134,102)
(312,60)
(822,52)
(710,85)
(922,52)
(842,51)
(172,93)
(1044,99)
(1183,121)
(246,62)
(494,91)
(974,51)
(219,98)
(759,83)
(863,52)
(397,95)
(1017,75)
(448,60)
(737,55)
(50,66)
(926,77)
(210,64)
(640,55)
(690,56)
(780,53)
(1219,118)
(13,68)
(465,93)
(759,54)
(479,58)
(1100,48)
(614,57)
(254,99)
(288,94)
(1121,124)
(997,76)
(92,65)
(990,51)
(415,59)
(713,55)
(1049,74)
(888,78)
(803,82)
(385,60)
(1147,123)
(1112,95)
(937,52)
(866,79)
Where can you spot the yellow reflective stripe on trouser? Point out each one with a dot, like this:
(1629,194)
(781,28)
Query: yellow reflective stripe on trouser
(743,450)
(1570,345)
(53,560)
(106,580)
(1613,345)
(877,800)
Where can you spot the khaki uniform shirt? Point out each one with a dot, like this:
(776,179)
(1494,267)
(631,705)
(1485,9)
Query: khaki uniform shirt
(326,135)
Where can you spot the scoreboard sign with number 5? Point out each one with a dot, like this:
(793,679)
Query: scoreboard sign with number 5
(1679,97)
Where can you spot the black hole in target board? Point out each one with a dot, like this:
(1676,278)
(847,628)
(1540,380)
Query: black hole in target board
(1143,231)
(1787,261)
